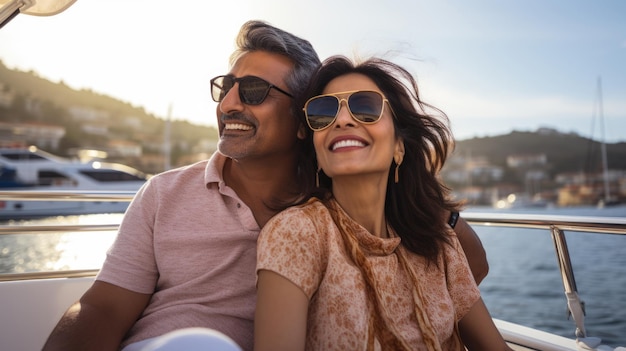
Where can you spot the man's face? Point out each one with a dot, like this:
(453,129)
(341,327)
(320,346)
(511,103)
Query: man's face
(258,131)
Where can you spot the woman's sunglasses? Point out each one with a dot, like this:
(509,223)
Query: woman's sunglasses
(365,106)
(252,90)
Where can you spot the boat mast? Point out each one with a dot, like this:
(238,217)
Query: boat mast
(605,167)
(167,148)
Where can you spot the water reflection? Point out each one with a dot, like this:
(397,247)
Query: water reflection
(57,251)
(28,253)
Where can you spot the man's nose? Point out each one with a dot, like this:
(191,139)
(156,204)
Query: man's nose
(231,102)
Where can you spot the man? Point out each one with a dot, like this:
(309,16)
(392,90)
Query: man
(185,254)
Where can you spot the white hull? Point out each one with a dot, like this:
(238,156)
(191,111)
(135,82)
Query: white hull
(37,209)
(30,171)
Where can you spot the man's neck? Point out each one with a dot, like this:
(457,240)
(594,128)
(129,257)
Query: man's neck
(261,183)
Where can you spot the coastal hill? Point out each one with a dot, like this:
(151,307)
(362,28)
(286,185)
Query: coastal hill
(542,167)
(94,121)
(565,152)
(26,97)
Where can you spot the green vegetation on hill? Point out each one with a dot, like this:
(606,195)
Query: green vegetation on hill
(29,84)
(564,152)
(39,100)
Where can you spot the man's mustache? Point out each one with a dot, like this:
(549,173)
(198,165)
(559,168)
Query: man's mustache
(237,117)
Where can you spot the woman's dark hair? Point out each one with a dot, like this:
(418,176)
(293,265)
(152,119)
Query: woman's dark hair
(415,207)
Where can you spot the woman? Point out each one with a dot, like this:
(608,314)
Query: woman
(365,264)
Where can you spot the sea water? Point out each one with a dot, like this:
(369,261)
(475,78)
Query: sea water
(524,283)
(523,286)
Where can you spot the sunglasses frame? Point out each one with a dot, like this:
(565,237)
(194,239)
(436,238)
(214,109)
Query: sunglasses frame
(241,95)
(346,99)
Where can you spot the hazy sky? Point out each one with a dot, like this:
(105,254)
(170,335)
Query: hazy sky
(491,65)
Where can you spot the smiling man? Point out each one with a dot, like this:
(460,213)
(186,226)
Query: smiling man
(185,253)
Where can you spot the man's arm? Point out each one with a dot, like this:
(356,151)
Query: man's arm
(473,248)
(99,320)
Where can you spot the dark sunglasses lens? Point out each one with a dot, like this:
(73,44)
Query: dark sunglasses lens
(253,90)
(220,86)
(366,106)
(321,111)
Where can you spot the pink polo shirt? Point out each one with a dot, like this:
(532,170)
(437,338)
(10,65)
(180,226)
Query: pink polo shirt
(190,241)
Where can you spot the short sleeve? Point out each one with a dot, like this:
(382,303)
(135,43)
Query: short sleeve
(130,261)
(290,245)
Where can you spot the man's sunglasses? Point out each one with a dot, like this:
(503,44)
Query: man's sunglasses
(365,106)
(252,90)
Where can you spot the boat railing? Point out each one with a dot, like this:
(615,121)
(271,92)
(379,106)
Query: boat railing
(555,224)
(66,195)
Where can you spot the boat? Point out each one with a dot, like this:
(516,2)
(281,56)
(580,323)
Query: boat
(33,302)
(26,171)
(607,199)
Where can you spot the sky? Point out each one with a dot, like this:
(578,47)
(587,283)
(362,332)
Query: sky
(492,66)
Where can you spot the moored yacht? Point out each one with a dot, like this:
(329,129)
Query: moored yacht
(26,171)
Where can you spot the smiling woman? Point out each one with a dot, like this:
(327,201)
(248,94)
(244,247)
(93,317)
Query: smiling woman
(368,235)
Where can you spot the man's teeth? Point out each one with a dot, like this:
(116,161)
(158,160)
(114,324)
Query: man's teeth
(346,143)
(237,126)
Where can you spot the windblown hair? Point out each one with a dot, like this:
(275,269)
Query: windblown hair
(260,36)
(415,206)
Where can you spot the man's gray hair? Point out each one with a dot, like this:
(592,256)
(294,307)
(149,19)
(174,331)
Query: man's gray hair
(261,36)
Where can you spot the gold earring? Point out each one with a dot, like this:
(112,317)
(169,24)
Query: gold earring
(397,178)
(398,162)
(317,178)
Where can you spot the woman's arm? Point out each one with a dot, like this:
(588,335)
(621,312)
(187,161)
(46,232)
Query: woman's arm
(478,331)
(281,314)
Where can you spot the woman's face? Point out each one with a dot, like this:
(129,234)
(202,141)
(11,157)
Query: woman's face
(349,147)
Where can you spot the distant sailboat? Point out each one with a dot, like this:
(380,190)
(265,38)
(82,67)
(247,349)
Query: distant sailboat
(607,199)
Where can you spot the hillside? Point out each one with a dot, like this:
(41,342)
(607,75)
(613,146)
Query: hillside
(564,152)
(29,84)
(35,99)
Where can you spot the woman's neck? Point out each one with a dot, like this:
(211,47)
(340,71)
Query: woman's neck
(364,201)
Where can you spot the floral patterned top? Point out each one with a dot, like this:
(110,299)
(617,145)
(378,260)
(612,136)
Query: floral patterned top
(304,245)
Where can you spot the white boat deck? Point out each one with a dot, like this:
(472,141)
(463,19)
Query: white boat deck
(31,308)
(35,306)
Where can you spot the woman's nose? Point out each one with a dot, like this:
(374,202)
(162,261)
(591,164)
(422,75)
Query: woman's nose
(344,118)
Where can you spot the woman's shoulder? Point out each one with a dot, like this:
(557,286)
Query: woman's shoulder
(309,216)
(313,208)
